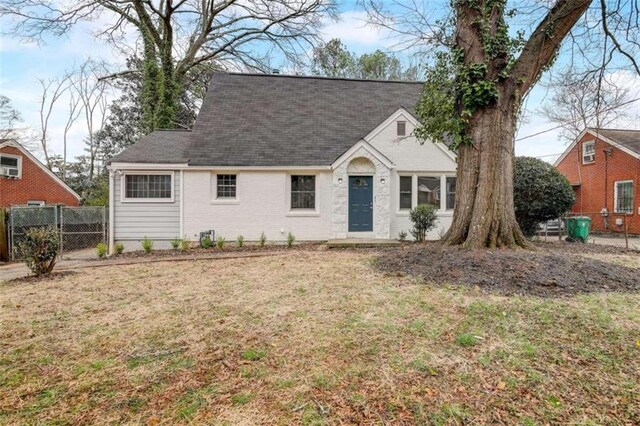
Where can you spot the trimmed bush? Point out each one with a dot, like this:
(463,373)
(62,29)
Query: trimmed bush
(263,240)
(240,240)
(102,250)
(540,193)
(402,235)
(39,250)
(290,239)
(119,249)
(185,244)
(424,218)
(147,244)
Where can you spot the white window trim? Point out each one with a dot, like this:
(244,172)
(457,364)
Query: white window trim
(302,212)
(615,196)
(214,186)
(123,192)
(586,143)
(398,127)
(442,210)
(35,203)
(400,211)
(19,158)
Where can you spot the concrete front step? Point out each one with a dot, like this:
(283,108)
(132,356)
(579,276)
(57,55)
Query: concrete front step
(361,243)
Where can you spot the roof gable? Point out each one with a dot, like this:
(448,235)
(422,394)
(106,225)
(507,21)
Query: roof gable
(269,120)
(627,141)
(33,159)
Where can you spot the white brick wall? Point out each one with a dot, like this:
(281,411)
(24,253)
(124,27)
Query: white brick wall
(262,205)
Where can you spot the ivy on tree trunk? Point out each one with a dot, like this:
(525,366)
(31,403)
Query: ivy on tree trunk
(471,101)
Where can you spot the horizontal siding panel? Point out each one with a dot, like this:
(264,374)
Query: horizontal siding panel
(157,221)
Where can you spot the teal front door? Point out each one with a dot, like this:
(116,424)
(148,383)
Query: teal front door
(360,203)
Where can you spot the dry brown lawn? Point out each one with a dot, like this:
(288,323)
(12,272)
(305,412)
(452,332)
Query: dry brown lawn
(308,338)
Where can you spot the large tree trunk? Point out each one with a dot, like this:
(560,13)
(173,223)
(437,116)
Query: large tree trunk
(484,215)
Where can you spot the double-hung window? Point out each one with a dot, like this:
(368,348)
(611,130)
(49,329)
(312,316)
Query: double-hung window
(429,190)
(588,152)
(148,187)
(623,194)
(226,186)
(406,193)
(303,192)
(451,192)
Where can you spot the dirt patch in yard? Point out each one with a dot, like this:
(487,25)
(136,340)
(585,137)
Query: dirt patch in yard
(555,269)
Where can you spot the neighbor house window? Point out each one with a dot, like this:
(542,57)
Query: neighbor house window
(451,193)
(32,203)
(405,192)
(623,195)
(10,165)
(429,190)
(402,128)
(148,187)
(226,186)
(303,192)
(588,152)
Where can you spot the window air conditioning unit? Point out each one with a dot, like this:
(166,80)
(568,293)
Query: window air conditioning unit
(589,158)
(10,172)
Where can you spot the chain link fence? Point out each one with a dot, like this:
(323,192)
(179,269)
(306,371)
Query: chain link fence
(79,227)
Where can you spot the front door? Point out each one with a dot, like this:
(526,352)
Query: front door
(360,203)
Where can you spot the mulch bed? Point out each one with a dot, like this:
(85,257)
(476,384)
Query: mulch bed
(228,248)
(554,269)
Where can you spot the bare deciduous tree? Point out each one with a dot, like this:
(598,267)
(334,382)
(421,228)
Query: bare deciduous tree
(51,94)
(579,102)
(178,35)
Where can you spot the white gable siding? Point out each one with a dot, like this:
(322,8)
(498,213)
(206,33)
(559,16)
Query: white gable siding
(262,205)
(157,221)
(407,153)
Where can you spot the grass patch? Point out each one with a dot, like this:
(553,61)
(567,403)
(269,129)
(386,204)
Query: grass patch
(309,338)
(467,340)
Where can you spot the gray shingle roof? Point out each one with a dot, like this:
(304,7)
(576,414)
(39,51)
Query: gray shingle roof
(160,146)
(630,139)
(278,120)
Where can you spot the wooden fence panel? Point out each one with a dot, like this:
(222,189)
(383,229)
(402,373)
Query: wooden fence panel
(4,243)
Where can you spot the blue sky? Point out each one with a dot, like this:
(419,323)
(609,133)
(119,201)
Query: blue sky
(22,64)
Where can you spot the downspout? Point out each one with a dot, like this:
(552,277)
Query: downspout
(111,211)
(181,203)
(607,154)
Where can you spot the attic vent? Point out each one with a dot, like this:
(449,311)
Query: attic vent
(402,128)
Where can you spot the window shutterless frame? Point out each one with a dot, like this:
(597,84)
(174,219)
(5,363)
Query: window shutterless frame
(623,196)
(12,161)
(156,185)
(303,192)
(226,186)
(588,152)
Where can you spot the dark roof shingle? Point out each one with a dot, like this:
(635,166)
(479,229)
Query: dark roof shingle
(629,139)
(160,146)
(277,120)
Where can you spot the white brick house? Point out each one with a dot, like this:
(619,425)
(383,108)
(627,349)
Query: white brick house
(321,158)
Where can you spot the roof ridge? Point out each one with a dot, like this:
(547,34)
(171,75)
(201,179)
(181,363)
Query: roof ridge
(615,130)
(316,77)
(172,130)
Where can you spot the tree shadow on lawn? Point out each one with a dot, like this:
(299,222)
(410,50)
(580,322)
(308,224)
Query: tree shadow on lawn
(554,270)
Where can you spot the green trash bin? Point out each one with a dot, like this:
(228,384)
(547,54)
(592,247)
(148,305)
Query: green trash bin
(577,228)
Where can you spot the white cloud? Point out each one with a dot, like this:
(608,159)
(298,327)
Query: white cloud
(352,29)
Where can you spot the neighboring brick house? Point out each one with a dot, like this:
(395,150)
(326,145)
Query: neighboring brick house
(26,181)
(603,166)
